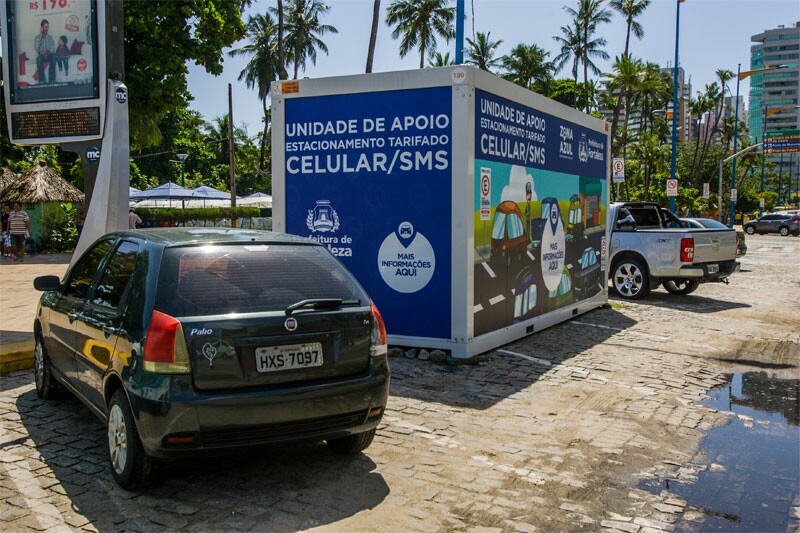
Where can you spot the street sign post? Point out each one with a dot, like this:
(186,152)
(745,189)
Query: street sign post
(782,142)
(672,188)
(618,170)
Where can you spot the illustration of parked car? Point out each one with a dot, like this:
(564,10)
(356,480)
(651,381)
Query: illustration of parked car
(562,295)
(525,296)
(574,228)
(586,279)
(508,231)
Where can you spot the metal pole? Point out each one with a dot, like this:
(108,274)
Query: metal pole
(673,165)
(742,151)
(719,195)
(459,32)
(780,181)
(231,156)
(735,140)
(763,158)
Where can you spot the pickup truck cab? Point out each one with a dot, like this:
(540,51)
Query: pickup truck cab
(650,246)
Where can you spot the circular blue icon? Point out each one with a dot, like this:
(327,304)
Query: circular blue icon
(93,154)
(121,95)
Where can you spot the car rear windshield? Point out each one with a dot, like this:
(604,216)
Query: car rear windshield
(207,280)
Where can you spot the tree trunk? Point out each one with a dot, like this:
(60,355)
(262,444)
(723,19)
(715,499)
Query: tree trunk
(628,38)
(262,156)
(373,35)
(422,56)
(282,74)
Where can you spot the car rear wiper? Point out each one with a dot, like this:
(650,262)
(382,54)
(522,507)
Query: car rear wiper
(321,303)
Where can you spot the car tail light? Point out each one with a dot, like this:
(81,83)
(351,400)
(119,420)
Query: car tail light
(165,350)
(377,337)
(687,250)
(795,218)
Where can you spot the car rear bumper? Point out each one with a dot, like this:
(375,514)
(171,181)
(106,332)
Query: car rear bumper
(702,273)
(174,420)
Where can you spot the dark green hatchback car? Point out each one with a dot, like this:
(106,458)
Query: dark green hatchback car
(189,341)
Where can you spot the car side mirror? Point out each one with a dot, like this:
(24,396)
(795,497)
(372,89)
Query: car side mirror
(46,283)
(626,224)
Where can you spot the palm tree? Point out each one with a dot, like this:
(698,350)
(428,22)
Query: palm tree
(441,60)
(217,131)
(625,82)
(282,74)
(303,31)
(263,66)
(631,9)
(589,14)
(481,52)
(654,93)
(373,34)
(419,22)
(571,48)
(527,66)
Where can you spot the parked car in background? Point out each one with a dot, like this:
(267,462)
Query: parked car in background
(741,243)
(202,341)
(650,246)
(783,223)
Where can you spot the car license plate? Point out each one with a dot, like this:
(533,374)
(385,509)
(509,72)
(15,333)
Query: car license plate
(291,357)
(713,269)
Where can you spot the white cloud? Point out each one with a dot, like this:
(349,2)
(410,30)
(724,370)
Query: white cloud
(515,190)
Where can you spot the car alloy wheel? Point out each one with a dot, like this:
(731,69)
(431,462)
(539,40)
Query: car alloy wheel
(784,231)
(38,365)
(630,280)
(750,230)
(117,439)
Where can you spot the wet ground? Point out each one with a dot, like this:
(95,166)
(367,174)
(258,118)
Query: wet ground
(748,470)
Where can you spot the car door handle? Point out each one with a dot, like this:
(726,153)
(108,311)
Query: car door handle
(72,317)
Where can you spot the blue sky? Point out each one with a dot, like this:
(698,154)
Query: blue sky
(713,34)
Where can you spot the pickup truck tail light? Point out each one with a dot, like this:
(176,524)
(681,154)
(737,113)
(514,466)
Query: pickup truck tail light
(687,250)
(377,338)
(165,350)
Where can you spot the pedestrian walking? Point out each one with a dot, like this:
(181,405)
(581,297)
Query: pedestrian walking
(133,220)
(19,227)
(80,218)
(5,239)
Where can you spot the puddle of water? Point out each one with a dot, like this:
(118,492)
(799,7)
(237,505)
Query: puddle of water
(751,473)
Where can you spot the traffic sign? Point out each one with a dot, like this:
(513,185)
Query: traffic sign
(618,169)
(734,195)
(672,187)
(486,193)
(706,190)
(782,142)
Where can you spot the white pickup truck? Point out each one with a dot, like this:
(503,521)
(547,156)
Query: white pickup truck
(650,246)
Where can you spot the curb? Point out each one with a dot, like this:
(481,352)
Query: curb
(16,356)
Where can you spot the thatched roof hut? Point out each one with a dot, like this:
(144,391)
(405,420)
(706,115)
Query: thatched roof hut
(6,178)
(41,184)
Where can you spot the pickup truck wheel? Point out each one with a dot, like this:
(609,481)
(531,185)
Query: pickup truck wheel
(684,286)
(750,230)
(784,231)
(631,280)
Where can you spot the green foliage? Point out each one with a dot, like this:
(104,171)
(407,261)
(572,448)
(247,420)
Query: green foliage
(58,231)
(161,37)
(178,215)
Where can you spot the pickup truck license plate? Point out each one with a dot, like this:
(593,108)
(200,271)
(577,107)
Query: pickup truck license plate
(291,357)
(713,269)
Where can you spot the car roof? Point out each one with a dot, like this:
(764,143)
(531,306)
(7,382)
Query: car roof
(183,236)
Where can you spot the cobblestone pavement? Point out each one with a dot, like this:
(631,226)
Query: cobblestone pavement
(552,432)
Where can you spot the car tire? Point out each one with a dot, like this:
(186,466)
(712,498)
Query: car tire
(631,279)
(47,388)
(750,230)
(681,287)
(130,465)
(784,231)
(352,444)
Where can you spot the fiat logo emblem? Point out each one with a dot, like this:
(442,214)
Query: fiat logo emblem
(291,324)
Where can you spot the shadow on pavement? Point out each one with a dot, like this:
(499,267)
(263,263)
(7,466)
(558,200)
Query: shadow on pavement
(276,488)
(692,302)
(505,370)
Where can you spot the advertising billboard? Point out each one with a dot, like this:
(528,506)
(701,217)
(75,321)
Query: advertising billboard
(539,247)
(52,50)
(53,67)
(369,176)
